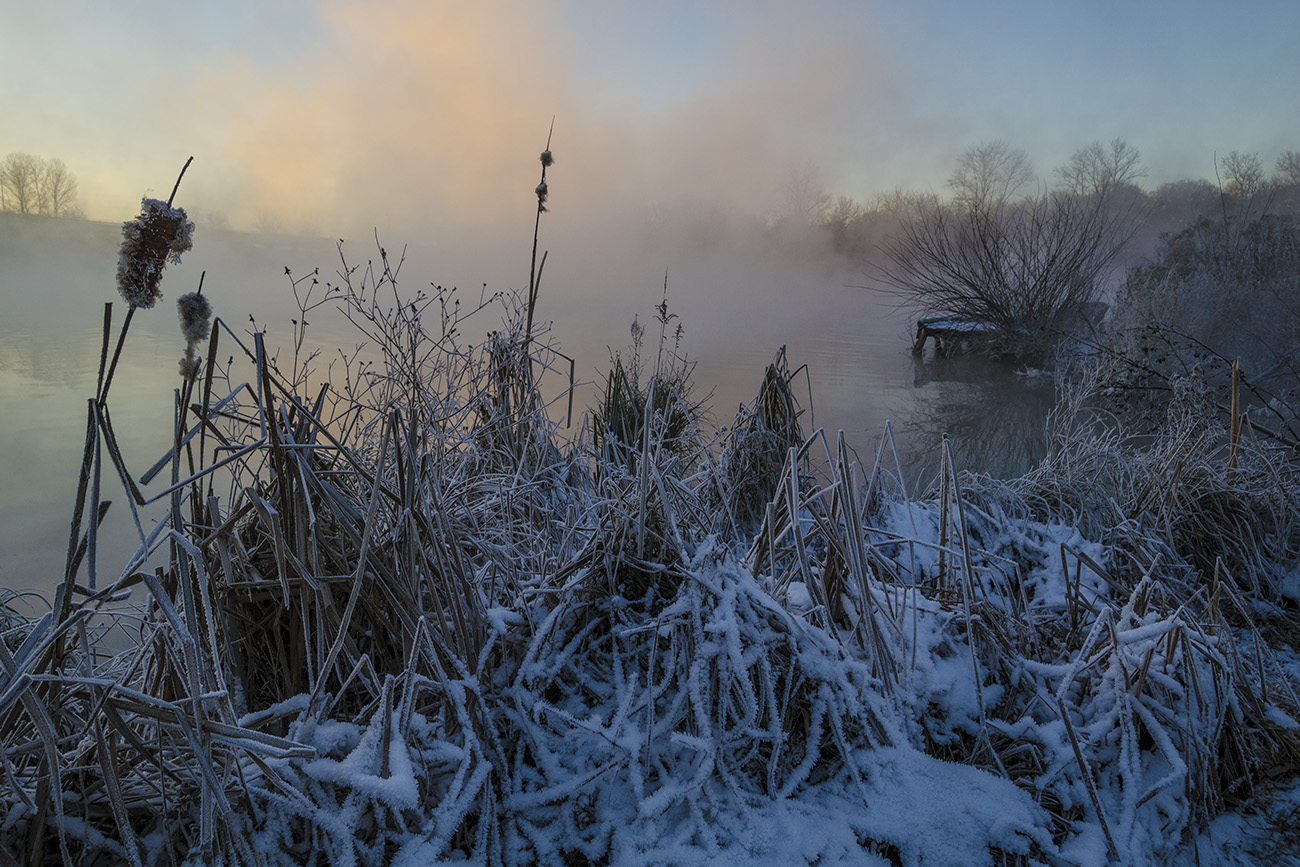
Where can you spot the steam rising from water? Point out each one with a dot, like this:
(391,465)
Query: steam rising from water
(430,114)
(421,118)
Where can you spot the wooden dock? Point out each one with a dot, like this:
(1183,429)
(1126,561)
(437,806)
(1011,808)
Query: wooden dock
(951,334)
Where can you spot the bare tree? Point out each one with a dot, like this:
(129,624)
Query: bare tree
(841,220)
(1287,171)
(1097,169)
(897,202)
(989,175)
(34,185)
(1244,174)
(1286,180)
(20,176)
(58,189)
(1024,266)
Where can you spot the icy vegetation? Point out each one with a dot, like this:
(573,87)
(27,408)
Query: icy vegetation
(405,617)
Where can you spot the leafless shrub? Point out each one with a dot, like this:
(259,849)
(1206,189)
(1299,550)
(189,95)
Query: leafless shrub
(1025,266)
(1216,293)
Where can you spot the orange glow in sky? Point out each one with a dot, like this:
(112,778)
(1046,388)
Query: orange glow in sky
(329,116)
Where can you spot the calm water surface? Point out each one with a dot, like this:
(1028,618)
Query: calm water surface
(737,310)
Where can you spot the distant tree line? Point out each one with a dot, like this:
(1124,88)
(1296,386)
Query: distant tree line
(1201,277)
(1242,188)
(37,185)
(1029,255)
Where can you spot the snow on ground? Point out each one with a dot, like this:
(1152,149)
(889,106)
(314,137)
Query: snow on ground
(968,687)
(693,758)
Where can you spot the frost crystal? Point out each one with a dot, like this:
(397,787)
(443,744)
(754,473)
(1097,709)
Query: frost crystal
(158,236)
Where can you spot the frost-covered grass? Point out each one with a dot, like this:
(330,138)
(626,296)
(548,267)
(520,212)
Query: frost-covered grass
(406,618)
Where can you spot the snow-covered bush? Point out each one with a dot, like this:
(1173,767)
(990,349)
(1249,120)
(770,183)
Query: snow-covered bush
(1216,292)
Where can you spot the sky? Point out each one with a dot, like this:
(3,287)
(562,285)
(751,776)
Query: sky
(329,117)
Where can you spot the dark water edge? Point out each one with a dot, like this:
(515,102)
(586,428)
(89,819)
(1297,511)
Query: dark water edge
(994,414)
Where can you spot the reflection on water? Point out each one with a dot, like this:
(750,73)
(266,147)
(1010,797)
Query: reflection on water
(45,384)
(994,416)
(737,310)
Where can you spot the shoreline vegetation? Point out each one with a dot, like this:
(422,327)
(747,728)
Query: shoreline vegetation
(400,615)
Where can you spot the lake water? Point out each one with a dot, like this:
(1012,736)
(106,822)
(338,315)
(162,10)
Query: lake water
(737,305)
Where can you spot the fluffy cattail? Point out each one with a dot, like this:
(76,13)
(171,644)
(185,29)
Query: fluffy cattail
(159,235)
(189,366)
(547,159)
(195,313)
(541,194)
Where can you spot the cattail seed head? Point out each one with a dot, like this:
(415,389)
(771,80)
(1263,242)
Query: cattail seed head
(158,236)
(195,313)
(547,159)
(189,365)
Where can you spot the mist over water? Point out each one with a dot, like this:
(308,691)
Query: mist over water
(684,135)
(737,299)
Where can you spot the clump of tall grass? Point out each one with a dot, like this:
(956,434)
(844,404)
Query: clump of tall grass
(1205,494)
(635,403)
(758,444)
(1130,694)
(1124,590)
